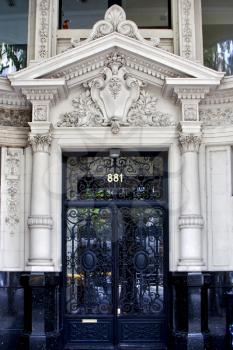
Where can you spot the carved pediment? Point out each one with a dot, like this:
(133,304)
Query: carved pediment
(114,98)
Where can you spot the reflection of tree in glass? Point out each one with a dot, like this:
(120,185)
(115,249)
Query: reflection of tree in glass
(12,58)
(220,57)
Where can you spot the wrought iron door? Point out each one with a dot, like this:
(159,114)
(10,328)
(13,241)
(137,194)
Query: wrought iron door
(115,251)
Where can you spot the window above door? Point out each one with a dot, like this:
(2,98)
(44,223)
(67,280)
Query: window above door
(83,14)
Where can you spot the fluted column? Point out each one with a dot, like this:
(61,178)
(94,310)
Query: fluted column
(40,221)
(190,221)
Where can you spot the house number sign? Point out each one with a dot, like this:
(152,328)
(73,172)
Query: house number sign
(115,177)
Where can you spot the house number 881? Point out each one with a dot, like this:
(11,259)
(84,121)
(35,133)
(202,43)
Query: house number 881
(115,177)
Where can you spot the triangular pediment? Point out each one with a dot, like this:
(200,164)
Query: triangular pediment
(115,33)
(142,57)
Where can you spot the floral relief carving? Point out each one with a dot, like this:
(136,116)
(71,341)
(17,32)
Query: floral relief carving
(217,117)
(44,27)
(187,29)
(15,117)
(12,181)
(114,99)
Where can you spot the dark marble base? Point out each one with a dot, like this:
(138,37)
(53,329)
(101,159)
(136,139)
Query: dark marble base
(201,316)
(201,311)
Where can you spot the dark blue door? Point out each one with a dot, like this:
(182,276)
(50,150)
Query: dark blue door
(115,251)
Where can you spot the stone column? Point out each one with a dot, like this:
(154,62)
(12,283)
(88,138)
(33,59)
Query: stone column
(40,221)
(190,221)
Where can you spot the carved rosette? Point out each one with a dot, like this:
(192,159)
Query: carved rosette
(40,142)
(189,143)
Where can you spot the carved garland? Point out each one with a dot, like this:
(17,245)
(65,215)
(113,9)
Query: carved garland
(217,117)
(12,177)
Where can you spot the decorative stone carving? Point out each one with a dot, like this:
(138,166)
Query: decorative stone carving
(115,98)
(40,94)
(190,112)
(186,28)
(115,21)
(144,112)
(43,28)
(217,117)
(40,112)
(189,143)
(12,183)
(40,142)
(15,117)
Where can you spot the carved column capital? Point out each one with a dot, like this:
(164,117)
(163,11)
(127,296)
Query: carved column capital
(40,142)
(189,142)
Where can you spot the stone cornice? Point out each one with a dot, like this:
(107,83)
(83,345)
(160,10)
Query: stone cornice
(42,90)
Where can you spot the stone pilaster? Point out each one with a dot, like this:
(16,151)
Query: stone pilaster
(190,33)
(46,24)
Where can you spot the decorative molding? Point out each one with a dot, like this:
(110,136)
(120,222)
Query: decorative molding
(42,221)
(15,117)
(40,142)
(115,21)
(219,97)
(138,64)
(40,112)
(186,7)
(189,142)
(216,117)
(40,94)
(13,99)
(190,93)
(191,221)
(12,188)
(115,98)
(43,30)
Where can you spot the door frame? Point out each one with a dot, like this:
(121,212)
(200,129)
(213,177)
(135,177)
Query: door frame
(164,206)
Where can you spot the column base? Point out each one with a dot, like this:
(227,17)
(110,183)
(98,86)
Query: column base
(41,311)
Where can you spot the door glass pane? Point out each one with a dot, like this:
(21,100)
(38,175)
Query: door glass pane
(140,287)
(89,261)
